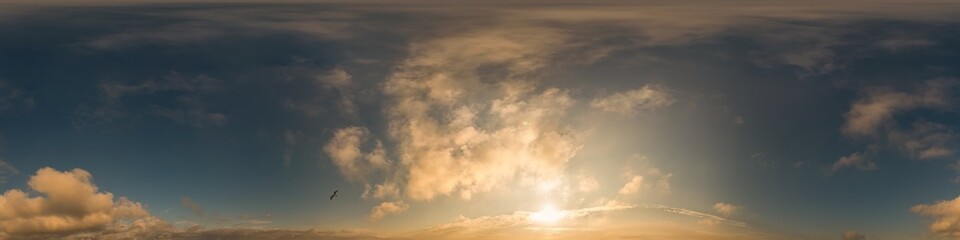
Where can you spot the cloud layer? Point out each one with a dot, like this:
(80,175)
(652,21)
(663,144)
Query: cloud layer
(69,202)
(945,214)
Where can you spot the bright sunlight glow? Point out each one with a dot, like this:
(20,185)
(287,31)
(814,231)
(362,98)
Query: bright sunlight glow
(549,214)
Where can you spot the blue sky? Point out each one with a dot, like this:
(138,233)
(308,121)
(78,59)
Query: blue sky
(549,120)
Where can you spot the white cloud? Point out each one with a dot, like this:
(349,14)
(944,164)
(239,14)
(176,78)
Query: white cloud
(945,214)
(382,191)
(386,208)
(726,209)
(641,174)
(632,102)
(344,149)
(587,184)
(69,202)
(878,106)
(633,186)
(460,131)
(856,160)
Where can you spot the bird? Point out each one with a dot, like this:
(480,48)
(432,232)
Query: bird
(334,194)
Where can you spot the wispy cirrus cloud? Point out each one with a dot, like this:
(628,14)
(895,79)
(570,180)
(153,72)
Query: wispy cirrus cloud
(187,108)
(632,102)
(576,223)
(874,117)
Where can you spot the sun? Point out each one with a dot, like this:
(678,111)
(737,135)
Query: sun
(547,215)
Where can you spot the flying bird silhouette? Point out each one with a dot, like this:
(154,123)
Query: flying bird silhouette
(334,194)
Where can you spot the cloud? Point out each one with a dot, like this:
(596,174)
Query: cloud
(597,222)
(335,78)
(641,174)
(587,184)
(199,233)
(903,43)
(11,97)
(381,191)
(506,224)
(726,209)
(69,203)
(190,26)
(467,114)
(852,235)
(878,106)
(856,160)
(874,114)
(386,208)
(633,186)
(924,140)
(335,91)
(185,91)
(173,34)
(632,102)
(703,216)
(190,204)
(945,214)
(345,151)
(7,170)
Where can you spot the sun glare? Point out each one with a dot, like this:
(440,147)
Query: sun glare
(548,214)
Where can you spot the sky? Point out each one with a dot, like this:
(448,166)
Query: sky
(479,120)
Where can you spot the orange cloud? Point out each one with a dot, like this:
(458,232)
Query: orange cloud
(385,209)
(69,203)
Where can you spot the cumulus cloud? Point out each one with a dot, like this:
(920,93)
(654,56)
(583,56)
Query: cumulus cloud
(69,203)
(726,209)
(386,208)
(460,130)
(381,191)
(852,235)
(641,174)
(856,160)
(634,101)
(878,106)
(190,204)
(945,214)
(633,186)
(345,150)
